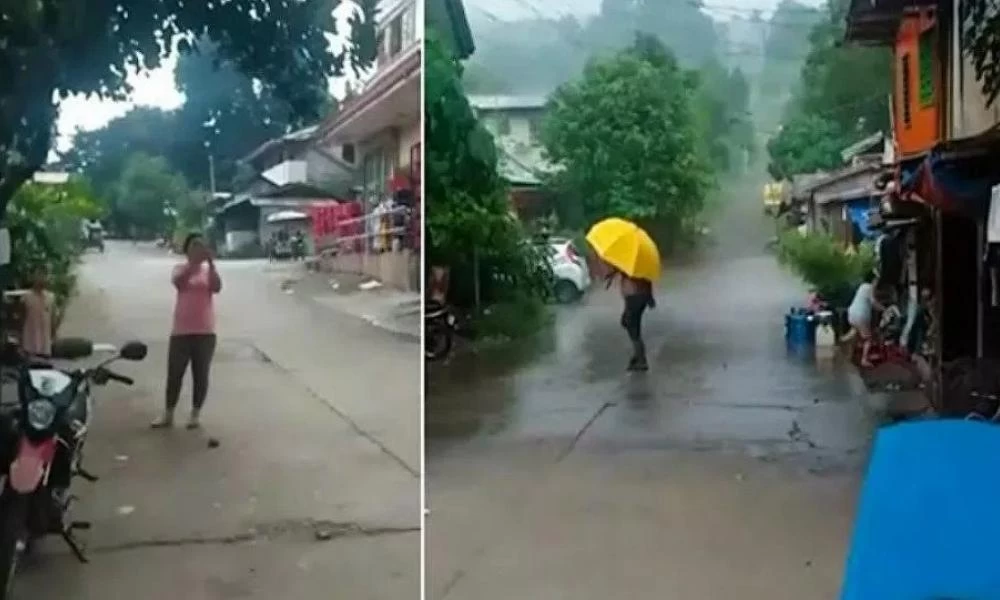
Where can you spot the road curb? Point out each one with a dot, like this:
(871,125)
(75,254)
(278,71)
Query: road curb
(396,331)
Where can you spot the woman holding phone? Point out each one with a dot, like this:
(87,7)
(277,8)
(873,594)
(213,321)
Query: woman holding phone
(192,338)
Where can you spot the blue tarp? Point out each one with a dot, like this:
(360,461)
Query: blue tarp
(859,213)
(928,525)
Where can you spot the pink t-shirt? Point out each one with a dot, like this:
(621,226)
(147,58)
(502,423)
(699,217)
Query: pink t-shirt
(193,311)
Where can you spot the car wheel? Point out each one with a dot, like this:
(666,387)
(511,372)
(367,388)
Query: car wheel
(566,292)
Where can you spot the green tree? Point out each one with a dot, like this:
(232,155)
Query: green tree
(468,215)
(806,144)
(44,222)
(60,47)
(148,195)
(537,54)
(982,30)
(626,139)
(842,96)
(101,154)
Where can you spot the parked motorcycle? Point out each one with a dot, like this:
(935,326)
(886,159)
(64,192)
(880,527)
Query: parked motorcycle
(42,433)
(298,245)
(439,330)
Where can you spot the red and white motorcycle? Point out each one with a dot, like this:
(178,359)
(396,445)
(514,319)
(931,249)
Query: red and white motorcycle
(42,433)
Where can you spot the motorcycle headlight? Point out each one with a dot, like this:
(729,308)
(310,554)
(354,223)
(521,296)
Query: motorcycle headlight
(41,413)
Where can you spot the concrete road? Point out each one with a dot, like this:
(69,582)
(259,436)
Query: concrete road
(727,471)
(314,489)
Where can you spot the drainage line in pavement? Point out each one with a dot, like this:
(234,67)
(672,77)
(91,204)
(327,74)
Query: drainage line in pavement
(245,538)
(332,407)
(583,430)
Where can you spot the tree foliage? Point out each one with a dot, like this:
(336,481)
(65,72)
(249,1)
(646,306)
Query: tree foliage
(842,96)
(982,29)
(788,35)
(537,54)
(58,48)
(626,139)
(468,215)
(825,264)
(149,195)
(786,47)
(722,109)
(225,116)
(44,222)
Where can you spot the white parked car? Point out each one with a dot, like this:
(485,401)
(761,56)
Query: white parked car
(572,276)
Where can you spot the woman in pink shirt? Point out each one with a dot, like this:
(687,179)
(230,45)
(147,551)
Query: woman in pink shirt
(192,340)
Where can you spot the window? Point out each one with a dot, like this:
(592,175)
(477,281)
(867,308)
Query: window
(410,25)
(535,128)
(925,68)
(374,179)
(347,153)
(905,98)
(395,36)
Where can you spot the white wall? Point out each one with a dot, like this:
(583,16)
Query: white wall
(290,171)
(969,114)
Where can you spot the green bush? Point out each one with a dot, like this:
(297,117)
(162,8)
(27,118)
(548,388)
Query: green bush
(825,264)
(45,227)
(519,316)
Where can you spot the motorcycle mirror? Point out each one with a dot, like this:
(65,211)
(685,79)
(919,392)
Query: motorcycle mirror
(134,351)
(4,247)
(72,348)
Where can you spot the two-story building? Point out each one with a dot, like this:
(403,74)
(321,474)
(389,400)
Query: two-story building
(381,125)
(515,123)
(288,173)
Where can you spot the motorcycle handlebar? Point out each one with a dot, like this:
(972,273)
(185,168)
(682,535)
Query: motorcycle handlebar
(119,378)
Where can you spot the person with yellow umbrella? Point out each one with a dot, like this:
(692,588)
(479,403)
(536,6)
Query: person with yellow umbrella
(634,260)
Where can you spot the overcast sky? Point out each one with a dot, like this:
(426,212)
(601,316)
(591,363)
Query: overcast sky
(155,88)
(515,9)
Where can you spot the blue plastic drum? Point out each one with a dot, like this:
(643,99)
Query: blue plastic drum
(800,329)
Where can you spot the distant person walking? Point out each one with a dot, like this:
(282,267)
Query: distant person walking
(637,295)
(192,339)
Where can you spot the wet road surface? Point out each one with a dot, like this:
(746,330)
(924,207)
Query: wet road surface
(720,376)
(728,470)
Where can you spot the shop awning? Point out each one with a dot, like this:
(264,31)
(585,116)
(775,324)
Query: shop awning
(960,184)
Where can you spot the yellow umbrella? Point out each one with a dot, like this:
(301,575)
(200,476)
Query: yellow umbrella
(626,247)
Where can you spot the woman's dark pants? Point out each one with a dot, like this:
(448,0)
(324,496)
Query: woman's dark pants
(635,305)
(196,350)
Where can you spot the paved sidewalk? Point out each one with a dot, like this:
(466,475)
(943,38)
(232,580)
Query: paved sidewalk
(392,310)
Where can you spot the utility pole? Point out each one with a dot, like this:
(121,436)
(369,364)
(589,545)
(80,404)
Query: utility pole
(211,175)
